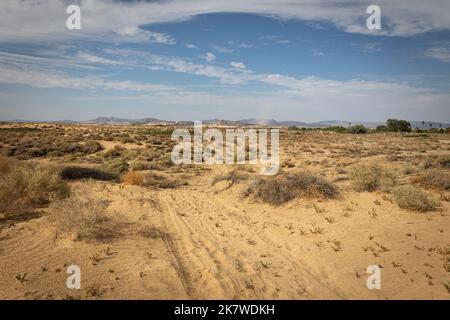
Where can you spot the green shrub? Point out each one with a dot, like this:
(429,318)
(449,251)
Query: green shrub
(382,128)
(395,125)
(114,166)
(358,129)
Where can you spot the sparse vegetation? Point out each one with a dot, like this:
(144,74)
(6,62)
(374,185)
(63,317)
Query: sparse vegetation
(85,217)
(114,167)
(285,187)
(366,176)
(29,185)
(357,129)
(435,179)
(412,198)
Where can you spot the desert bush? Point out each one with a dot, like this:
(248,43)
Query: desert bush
(338,129)
(412,198)
(435,179)
(79,173)
(139,165)
(382,128)
(29,185)
(114,166)
(115,152)
(91,147)
(285,187)
(370,176)
(5,165)
(357,129)
(85,217)
(443,161)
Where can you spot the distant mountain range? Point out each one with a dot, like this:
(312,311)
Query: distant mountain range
(264,122)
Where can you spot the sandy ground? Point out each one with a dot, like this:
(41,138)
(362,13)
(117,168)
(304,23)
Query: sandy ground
(203,242)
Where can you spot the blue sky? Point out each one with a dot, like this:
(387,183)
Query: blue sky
(196,59)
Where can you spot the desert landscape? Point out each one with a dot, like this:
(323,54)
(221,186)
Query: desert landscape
(108,199)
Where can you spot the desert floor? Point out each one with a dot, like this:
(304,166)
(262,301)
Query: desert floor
(202,239)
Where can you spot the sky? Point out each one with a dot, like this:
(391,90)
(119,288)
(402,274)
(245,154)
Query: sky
(298,60)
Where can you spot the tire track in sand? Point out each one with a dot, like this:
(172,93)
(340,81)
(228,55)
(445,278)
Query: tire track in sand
(229,265)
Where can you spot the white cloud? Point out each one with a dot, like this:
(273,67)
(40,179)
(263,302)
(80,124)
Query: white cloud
(438,53)
(209,56)
(190,46)
(372,47)
(90,58)
(318,53)
(237,65)
(35,20)
(136,34)
(222,49)
(42,79)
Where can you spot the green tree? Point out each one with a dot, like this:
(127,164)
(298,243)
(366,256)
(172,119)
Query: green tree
(395,125)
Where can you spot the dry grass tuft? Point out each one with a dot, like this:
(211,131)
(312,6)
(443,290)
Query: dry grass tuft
(134,178)
(85,217)
(412,198)
(285,187)
(435,179)
(29,185)
(370,176)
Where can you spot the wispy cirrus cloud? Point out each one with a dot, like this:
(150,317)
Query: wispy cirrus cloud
(438,53)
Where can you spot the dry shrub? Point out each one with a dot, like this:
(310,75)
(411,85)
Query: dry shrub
(85,217)
(30,185)
(140,165)
(443,161)
(5,165)
(370,176)
(410,197)
(114,166)
(435,179)
(285,187)
(134,178)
